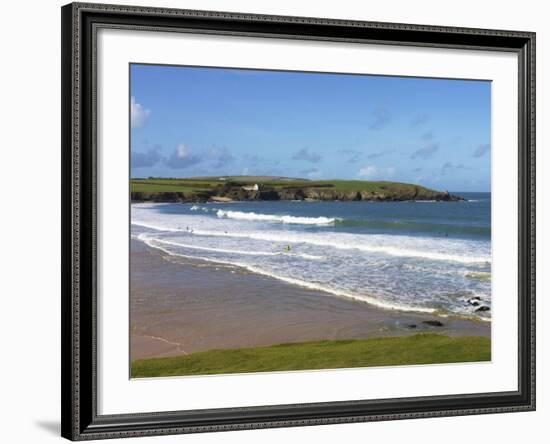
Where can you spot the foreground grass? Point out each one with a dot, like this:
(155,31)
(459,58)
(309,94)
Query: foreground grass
(402,350)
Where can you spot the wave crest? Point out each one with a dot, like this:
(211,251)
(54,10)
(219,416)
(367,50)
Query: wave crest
(145,238)
(153,243)
(338,243)
(286,219)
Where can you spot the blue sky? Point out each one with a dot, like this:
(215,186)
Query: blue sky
(188,121)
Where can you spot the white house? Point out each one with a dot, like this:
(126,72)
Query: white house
(254,187)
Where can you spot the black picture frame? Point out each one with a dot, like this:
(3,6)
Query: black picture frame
(80,22)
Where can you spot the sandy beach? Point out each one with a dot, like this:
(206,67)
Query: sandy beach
(181,306)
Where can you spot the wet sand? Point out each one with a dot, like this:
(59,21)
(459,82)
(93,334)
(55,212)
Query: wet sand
(178,306)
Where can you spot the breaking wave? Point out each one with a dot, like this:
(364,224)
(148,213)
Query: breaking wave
(285,219)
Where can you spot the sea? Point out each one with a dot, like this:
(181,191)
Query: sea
(421,256)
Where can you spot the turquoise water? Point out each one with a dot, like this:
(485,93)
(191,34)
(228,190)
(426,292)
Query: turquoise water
(419,256)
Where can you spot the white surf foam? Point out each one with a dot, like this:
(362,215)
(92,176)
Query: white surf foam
(143,237)
(340,241)
(390,250)
(285,219)
(153,243)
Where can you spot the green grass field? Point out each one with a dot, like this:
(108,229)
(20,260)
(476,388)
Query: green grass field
(170,185)
(402,350)
(207,183)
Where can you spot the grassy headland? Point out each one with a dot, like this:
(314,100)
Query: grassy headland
(239,188)
(330,354)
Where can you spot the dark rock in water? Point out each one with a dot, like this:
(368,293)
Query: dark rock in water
(411,325)
(474,303)
(433,323)
(483,308)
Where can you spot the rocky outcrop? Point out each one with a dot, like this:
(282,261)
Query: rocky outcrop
(169,196)
(236,192)
(319,193)
(433,323)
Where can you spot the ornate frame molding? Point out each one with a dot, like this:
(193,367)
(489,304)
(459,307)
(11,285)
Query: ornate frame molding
(80,22)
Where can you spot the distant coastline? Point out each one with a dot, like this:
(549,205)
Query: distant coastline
(268,188)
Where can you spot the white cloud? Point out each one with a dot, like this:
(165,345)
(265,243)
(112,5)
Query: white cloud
(381,117)
(373,172)
(183,151)
(182,157)
(379,154)
(138,114)
(427,152)
(220,156)
(481,150)
(367,171)
(307,155)
(146,159)
(450,167)
(312,172)
(419,119)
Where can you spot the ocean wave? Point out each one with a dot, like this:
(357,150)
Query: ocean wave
(353,245)
(479,275)
(338,242)
(199,208)
(285,219)
(398,226)
(415,226)
(157,227)
(153,243)
(144,237)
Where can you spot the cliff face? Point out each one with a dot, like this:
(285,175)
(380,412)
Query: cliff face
(386,195)
(237,193)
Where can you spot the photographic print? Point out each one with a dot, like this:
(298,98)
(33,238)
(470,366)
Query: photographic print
(286,221)
(275,221)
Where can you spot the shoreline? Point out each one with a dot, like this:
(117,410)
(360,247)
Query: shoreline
(180,306)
